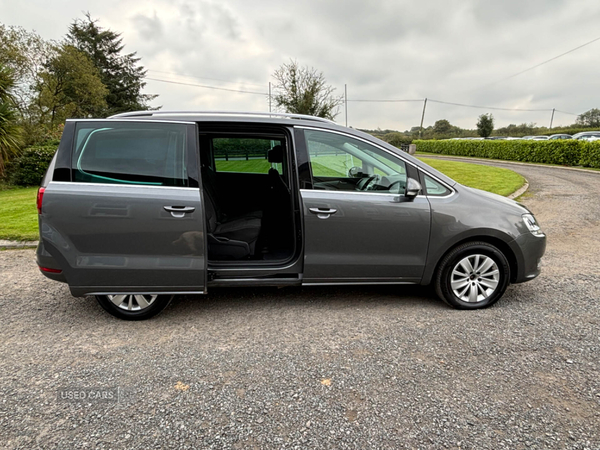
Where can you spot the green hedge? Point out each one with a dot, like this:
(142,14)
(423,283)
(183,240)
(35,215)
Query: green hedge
(29,168)
(563,152)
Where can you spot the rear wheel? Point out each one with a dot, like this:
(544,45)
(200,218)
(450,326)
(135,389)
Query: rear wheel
(472,276)
(134,306)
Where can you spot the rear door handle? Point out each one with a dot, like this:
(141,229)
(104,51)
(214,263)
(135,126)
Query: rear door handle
(322,213)
(179,211)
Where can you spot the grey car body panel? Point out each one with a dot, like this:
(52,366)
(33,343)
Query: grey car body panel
(370,237)
(118,238)
(471,214)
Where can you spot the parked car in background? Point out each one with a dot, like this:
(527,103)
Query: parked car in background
(142,206)
(538,138)
(587,136)
(561,136)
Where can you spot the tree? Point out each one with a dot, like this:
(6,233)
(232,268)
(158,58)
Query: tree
(485,125)
(70,86)
(589,118)
(303,90)
(25,54)
(120,73)
(443,127)
(10,132)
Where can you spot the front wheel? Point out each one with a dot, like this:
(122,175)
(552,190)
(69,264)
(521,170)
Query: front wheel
(472,276)
(134,306)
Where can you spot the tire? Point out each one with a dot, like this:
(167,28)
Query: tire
(472,276)
(132,306)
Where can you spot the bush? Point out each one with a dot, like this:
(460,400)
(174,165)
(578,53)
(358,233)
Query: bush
(590,154)
(563,152)
(29,168)
(396,139)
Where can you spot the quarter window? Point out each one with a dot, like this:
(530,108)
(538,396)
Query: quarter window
(434,187)
(339,162)
(136,153)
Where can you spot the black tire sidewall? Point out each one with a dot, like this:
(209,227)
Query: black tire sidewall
(161,302)
(443,282)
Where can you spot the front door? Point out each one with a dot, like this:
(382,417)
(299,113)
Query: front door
(131,218)
(359,227)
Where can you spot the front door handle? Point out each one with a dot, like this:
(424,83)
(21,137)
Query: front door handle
(322,213)
(179,211)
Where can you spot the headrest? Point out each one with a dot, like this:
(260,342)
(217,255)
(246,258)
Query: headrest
(275,155)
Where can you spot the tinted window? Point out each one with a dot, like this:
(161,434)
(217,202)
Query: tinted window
(130,153)
(340,162)
(434,187)
(246,155)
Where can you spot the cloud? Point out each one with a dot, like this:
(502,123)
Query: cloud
(453,50)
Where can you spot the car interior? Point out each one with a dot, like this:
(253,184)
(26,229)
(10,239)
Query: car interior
(342,165)
(248,197)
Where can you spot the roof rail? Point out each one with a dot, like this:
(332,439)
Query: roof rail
(221,113)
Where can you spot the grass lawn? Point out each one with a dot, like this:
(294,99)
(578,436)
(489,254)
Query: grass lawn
(241,165)
(491,179)
(18,214)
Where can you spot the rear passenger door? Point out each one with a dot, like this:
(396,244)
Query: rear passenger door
(128,217)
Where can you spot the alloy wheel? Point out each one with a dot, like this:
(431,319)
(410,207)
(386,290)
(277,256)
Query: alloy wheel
(132,302)
(475,278)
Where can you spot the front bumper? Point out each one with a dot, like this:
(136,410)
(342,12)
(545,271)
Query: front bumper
(530,251)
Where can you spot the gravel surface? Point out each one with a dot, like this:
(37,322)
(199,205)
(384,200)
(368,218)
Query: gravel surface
(353,367)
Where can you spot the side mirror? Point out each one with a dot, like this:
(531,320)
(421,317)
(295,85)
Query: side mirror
(355,172)
(413,187)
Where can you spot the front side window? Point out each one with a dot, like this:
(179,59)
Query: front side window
(130,153)
(342,163)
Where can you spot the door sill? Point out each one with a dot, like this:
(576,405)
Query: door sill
(255,282)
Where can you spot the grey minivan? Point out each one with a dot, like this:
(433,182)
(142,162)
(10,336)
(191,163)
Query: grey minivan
(142,206)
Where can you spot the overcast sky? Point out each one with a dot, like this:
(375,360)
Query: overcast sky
(457,51)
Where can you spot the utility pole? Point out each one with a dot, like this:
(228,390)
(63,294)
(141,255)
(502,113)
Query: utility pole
(422,118)
(552,118)
(269,96)
(346,102)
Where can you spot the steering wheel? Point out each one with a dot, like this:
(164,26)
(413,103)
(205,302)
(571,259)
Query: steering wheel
(400,187)
(367,184)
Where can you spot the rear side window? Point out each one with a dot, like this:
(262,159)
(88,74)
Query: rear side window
(130,153)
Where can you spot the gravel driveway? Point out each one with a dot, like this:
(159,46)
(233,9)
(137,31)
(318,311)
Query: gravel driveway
(326,368)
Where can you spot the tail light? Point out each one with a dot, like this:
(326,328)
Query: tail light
(40,197)
(49,270)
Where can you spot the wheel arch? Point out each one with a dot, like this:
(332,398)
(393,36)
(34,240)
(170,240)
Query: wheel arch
(497,242)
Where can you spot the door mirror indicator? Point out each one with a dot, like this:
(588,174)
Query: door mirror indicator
(413,188)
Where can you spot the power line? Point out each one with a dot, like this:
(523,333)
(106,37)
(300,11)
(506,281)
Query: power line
(565,112)
(387,101)
(207,87)
(496,107)
(205,78)
(463,105)
(367,100)
(545,62)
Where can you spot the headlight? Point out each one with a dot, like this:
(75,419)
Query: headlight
(532,225)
